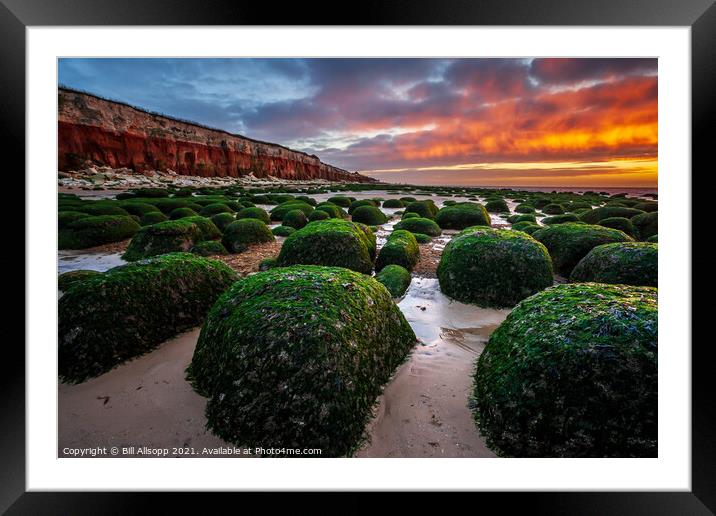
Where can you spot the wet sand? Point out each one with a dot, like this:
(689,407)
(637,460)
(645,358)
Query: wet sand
(145,402)
(424,410)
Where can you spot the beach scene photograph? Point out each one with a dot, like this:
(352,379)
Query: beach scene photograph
(357,257)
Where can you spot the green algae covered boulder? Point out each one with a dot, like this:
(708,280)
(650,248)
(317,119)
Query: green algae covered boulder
(333,211)
(214,208)
(209,248)
(241,233)
(462,215)
(254,213)
(497,206)
(620,223)
(410,215)
(653,238)
(572,372)
(560,219)
(207,228)
(395,278)
(493,267)
(65,218)
(646,224)
(162,238)
(524,208)
(523,217)
(67,279)
(127,311)
(319,214)
(422,238)
(180,213)
(419,225)
(526,226)
(401,248)
(295,357)
(332,242)
(221,220)
(295,219)
(605,212)
(341,200)
(570,242)
(369,215)
(153,217)
(628,263)
(393,203)
(363,202)
(426,209)
(283,231)
(553,209)
(97,230)
(281,210)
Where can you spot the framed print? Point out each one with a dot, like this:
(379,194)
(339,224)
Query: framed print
(417,253)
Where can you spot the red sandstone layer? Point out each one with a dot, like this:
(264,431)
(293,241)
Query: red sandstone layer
(91,129)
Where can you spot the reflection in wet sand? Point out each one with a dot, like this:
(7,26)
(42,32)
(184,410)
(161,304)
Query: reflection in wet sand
(424,411)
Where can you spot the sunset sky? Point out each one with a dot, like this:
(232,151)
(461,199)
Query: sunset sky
(481,122)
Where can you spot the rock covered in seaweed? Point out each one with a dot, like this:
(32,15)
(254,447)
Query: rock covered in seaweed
(572,372)
(401,248)
(111,317)
(628,263)
(493,267)
(463,215)
(296,356)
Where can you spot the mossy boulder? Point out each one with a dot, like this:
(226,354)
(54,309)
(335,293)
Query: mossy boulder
(97,208)
(340,200)
(162,238)
(153,217)
(278,213)
(627,263)
(318,215)
(363,202)
(620,223)
(653,239)
(493,267)
(241,233)
(295,219)
(605,212)
(419,225)
(267,263)
(462,215)
(65,218)
(570,242)
(426,209)
(209,248)
(369,215)
(422,238)
(67,279)
(333,211)
(331,242)
(523,217)
(138,208)
(221,220)
(524,208)
(181,213)
(497,206)
(97,230)
(646,224)
(401,248)
(553,209)
(410,215)
(283,231)
(393,203)
(560,219)
(295,357)
(395,278)
(208,229)
(127,311)
(526,226)
(646,206)
(254,213)
(214,208)
(572,372)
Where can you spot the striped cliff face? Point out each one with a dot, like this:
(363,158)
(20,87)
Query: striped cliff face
(91,129)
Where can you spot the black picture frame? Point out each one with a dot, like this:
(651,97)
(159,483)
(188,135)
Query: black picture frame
(699,15)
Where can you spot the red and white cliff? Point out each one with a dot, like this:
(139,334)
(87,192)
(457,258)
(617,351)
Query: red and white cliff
(107,133)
